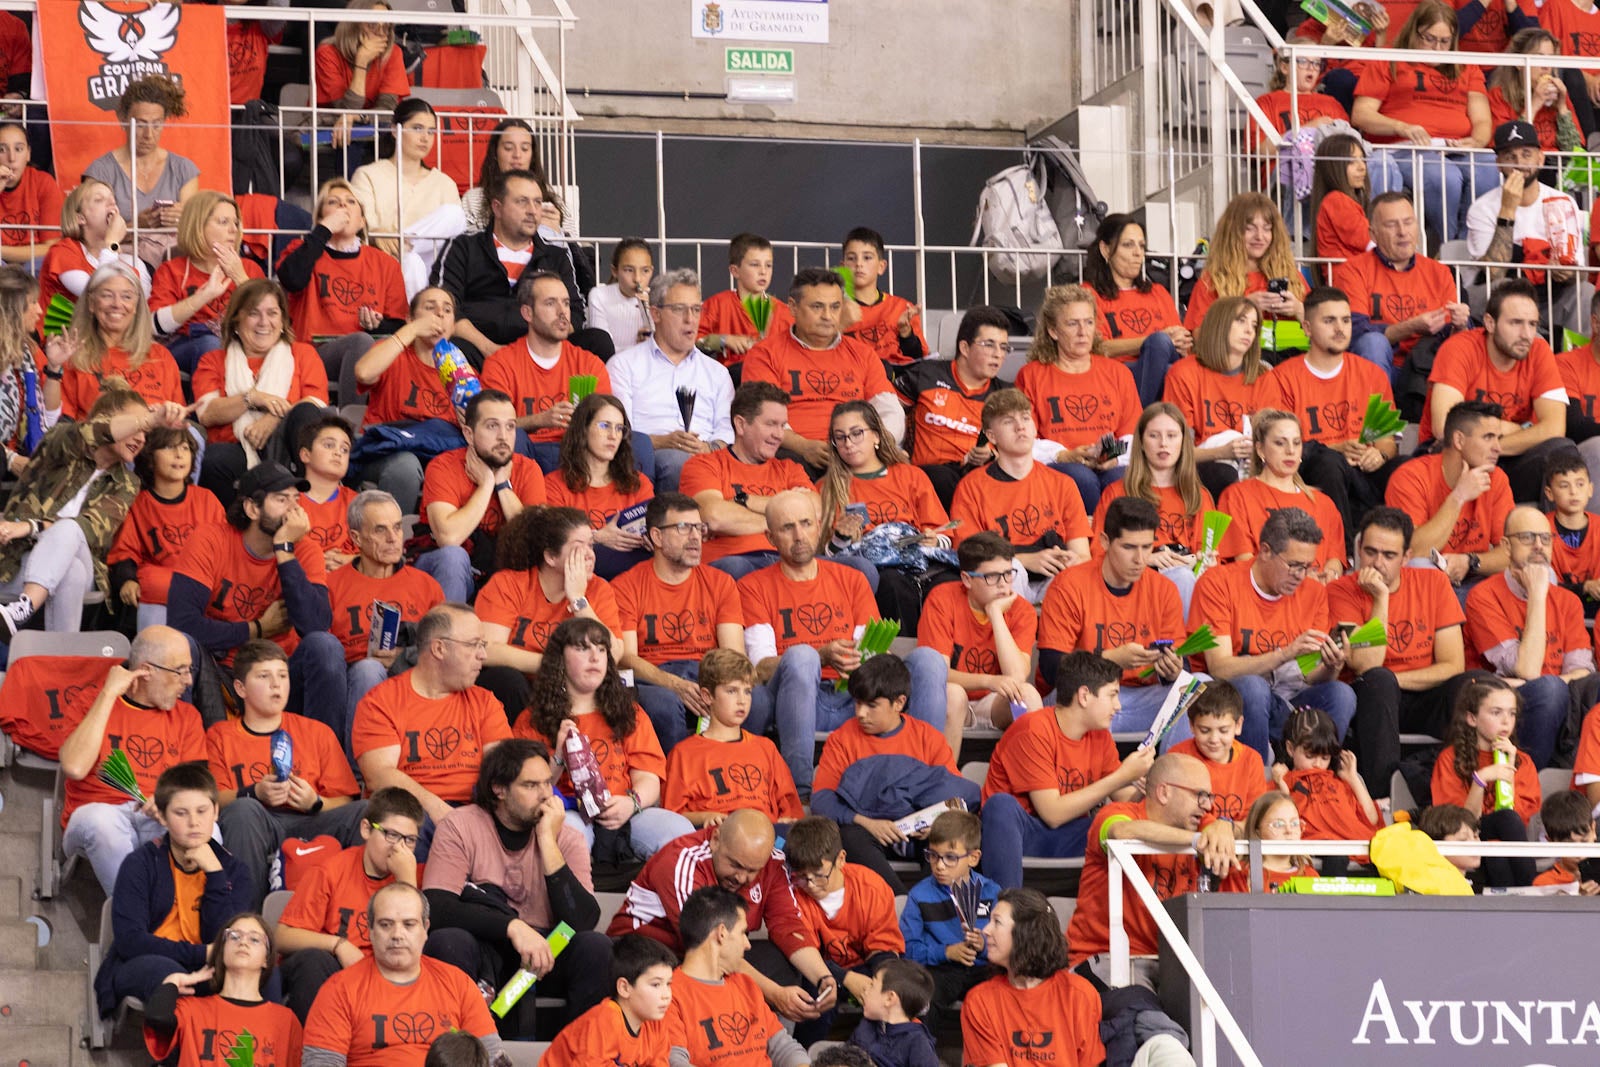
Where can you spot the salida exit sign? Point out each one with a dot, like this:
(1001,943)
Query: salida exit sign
(760,60)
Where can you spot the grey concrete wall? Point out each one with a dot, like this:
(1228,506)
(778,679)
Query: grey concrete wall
(898,68)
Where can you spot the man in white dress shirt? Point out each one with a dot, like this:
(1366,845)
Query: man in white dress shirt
(647,379)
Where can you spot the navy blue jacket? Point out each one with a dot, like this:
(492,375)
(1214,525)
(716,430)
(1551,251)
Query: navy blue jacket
(896,1044)
(931,922)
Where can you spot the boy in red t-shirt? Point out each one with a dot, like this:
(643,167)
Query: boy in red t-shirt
(890,324)
(1236,770)
(324,451)
(1054,767)
(1575,548)
(1566,817)
(629,1027)
(726,329)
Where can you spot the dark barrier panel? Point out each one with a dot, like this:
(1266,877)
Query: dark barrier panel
(1406,982)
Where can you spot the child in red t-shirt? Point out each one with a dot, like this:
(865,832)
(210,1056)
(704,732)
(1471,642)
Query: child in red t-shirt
(1323,782)
(324,450)
(1480,752)
(1575,548)
(629,1026)
(726,329)
(1237,773)
(1271,818)
(1566,817)
(890,324)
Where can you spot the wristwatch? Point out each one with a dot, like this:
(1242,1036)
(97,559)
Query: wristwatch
(578,605)
(1472,564)
(501,487)
(1506,223)
(741,498)
(284,546)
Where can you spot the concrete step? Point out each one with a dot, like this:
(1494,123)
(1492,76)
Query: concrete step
(38,1046)
(19,946)
(39,998)
(23,812)
(11,897)
(19,856)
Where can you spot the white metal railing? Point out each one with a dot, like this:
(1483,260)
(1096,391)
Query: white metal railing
(1122,862)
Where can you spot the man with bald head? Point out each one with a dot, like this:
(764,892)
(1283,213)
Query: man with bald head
(803,617)
(1527,629)
(138,711)
(738,855)
(1177,798)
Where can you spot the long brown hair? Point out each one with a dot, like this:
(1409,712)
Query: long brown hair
(1424,16)
(1509,79)
(1331,173)
(549,701)
(574,465)
(1140,480)
(1227,265)
(1463,736)
(1211,340)
(837,477)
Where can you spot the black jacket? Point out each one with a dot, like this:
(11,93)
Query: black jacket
(470,271)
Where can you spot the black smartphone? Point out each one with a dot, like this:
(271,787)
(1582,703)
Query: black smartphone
(983,439)
(1344,629)
(1278,286)
(1589,869)
(1161,645)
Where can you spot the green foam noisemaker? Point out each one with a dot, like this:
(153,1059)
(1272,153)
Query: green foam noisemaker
(876,637)
(1382,420)
(244,1051)
(1582,170)
(581,385)
(1369,634)
(1572,339)
(1213,525)
(58,315)
(847,278)
(117,772)
(1202,640)
(519,984)
(1284,335)
(759,308)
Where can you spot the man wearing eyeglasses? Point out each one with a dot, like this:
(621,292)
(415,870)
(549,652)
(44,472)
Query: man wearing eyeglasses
(1264,614)
(427,730)
(669,388)
(946,398)
(673,611)
(138,711)
(1528,630)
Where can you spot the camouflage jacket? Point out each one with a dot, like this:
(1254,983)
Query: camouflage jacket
(63,461)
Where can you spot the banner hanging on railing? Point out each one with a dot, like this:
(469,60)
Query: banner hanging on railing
(805,21)
(93,51)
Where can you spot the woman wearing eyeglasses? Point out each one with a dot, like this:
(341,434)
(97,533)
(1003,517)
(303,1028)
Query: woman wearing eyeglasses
(1429,116)
(197,1017)
(1276,484)
(869,481)
(596,474)
(411,206)
(577,688)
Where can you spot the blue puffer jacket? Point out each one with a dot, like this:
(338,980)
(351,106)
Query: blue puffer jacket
(896,1044)
(931,921)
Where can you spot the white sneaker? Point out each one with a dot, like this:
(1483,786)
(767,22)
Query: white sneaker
(15,614)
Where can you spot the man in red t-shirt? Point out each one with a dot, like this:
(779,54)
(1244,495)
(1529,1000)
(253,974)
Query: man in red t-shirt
(803,617)
(819,368)
(1410,682)
(1505,362)
(1522,626)
(1398,296)
(261,576)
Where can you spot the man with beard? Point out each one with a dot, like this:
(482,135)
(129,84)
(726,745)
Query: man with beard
(504,870)
(1505,362)
(261,576)
(1527,222)
(469,493)
(674,611)
(803,617)
(1529,631)
(738,855)
(1397,295)
(1328,392)
(390,1007)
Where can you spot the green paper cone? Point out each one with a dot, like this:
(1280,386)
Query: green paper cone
(581,385)
(1582,170)
(117,772)
(1213,525)
(876,637)
(58,315)
(847,278)
(759,308)
(244,1051)
(1382,420)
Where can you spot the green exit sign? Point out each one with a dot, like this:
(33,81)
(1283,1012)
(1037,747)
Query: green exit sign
(760,60)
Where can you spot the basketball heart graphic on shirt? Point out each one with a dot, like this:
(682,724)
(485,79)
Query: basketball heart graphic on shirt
(1506,400)
(532,405)
(176,534)
(434,404)
(1071,779)
(746,776)
(1228,806)
(1117,634)
(677,626)
(602,751)
(1165,881)
(145,751)
(245,776)
(1466,531)
(414,1027)
(1400,635)
(1136,321)
(882,511)
(329,536)
(72,702)
(1492,26)
(249,601)
(1258,641)
(1336,417)
(821,381)
(441,742)
(1437,83)
(1583,44)
(736,1024)
(346,291)
(979,661)
(1081,407)
(1221,412)
(1024,524)
(816,618)
(1171,530)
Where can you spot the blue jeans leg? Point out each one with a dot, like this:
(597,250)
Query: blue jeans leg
(451,567)
(316,676)
(1375,348)
(929,672)
(1544,710)
(1184,579)
(802,704)
(547,454)
(654,827)
(1020,834)
(1087,481)
(1258,712)
(1156,354)
(609,562)
(669,468)
(737,567)
(644,454)
(667,712)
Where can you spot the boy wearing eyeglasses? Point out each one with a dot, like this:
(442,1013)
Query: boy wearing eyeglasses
(324,927)
(260,804)
(946,912)
(849,909)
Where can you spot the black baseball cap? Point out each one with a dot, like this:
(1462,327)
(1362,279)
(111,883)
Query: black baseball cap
(268,477)
(1515,134)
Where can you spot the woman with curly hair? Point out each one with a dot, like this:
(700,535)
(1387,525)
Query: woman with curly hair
(150,183)
(596,474)
(577,688)
(1250,249)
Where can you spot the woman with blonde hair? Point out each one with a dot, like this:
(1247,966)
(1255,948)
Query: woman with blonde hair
(190,291)
(1219,387)
(1275,484)
(359,69)
(111,336)
(1251,256)
(1550,108)
(1079,398)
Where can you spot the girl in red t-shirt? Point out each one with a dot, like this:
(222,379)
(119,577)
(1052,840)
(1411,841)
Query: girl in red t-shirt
(1136,319)
(1271,818)
(1550,109)
(1339,197)
(596,474)
(190,291)
(360,68)
(1417,105)
(1217,387)
(1324,783)
(1250,248)
(1468,773)
(1305,107)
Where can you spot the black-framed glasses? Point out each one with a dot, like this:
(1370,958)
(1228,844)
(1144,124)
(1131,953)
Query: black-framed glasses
(944,859)
(684,529)
(839,437)
(394,837)
(1528,539)
(817,880)
(993,579)
(1203,797)
(186,671)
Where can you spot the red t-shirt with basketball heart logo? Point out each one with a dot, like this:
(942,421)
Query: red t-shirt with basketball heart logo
(152,739)
(826,608)
(243,586)
(441,741)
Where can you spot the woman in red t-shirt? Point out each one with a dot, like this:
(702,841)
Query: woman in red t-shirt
(190,291)
(359,69)
(577,690)
(1423,110)
(596,474)
(1136,319)
(1339,197)
(1217,389)
(1275,484)
(1250,249)
(255,393)
(1550,109)
(1305,107)
(111,336)
(1468,772)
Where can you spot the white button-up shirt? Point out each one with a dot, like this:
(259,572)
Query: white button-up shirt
(647,383)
